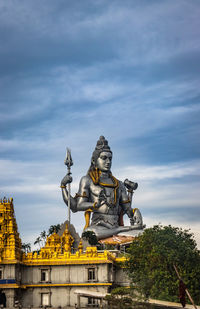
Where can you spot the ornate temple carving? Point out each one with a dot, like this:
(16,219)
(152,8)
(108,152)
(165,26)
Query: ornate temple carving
(10,242)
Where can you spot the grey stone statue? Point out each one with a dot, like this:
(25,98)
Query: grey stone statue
(104,196)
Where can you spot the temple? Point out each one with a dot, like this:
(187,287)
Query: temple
(54,276)
(60,274)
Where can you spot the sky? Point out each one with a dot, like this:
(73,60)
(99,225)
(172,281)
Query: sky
(71,71)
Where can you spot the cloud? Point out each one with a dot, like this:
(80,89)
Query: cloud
(58,32)
(161,172)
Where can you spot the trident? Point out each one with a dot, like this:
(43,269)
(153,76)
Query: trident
(68,161)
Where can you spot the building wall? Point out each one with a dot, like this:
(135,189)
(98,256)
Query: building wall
(59,296)
(11,275)
(59,274)
(26,298)
(120,277)
(9,271)
(62,274)
(10,297)
(65,273)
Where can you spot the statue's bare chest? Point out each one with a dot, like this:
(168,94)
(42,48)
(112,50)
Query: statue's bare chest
(110,194)
(109,191)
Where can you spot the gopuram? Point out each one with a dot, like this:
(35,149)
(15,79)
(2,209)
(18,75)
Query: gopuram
(61,274)
(105,197)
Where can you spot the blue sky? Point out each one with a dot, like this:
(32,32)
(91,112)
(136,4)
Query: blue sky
(71,71)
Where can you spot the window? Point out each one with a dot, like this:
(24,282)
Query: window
(91,274)
(44,275)
(45,299)
(92,302)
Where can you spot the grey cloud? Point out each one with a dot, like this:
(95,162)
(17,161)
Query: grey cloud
(57,32)
(180,214)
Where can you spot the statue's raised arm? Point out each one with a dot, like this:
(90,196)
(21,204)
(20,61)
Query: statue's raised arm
(104,196)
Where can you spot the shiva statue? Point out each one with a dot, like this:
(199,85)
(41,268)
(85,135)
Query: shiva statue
(104,196)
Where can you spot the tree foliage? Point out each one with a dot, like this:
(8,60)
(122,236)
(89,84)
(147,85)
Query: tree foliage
(151,258)
(26,247)
(41,240)
(53,229)
(90,237)
(38,241)
(124,298)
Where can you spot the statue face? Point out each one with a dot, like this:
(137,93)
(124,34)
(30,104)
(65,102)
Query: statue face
(104,161)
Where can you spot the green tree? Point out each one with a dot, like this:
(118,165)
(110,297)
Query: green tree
(26,247)
(41,240)
(125,298)
(150,262)
(43,236)
(54,228)
(90,237)
(38,241)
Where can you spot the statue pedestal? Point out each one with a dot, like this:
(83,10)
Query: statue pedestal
(122,238)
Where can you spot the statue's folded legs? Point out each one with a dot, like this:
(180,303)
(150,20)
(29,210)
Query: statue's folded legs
(102,232)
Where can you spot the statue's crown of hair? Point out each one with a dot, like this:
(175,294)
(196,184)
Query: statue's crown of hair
(102,144)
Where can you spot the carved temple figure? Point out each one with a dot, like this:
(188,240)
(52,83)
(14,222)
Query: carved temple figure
(104,196)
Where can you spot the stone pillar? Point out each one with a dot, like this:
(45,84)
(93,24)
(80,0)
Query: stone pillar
(10,296)
(68,296)
(78,301)
(101,302)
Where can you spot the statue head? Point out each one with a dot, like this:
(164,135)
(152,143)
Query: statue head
(102,155)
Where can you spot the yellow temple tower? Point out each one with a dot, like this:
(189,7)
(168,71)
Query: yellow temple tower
(10,242)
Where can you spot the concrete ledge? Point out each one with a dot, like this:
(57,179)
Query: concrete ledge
(170,304)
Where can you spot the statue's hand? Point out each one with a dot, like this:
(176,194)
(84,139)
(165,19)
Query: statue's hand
(101,199)
(67,179)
